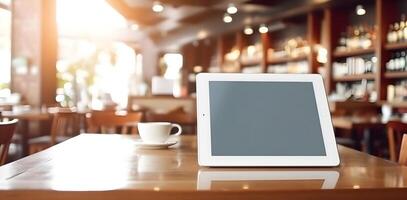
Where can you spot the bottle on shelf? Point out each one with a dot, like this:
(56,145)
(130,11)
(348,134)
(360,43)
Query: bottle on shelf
(397,92)
(405,26)
(356,37)
(362,90)
(398,31)
(397,62)
(354,66)
(292,48)
(390,34)
(342,40)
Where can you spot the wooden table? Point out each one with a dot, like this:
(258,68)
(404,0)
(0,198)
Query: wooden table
(25,118)
(361,128)
(92,166)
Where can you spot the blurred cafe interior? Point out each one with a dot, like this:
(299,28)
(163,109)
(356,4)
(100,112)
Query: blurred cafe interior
(72,67)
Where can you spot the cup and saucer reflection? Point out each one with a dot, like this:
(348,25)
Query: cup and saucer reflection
(209,179)
(155,163)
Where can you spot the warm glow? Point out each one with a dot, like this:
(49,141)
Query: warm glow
(174,65)
(227,18)
(134,27)
(88,17)
(202,34)
(158,7)
(360,10)
(248,31)
(263,29)
(322,54)
(232,9)
(198,69)
(233,55)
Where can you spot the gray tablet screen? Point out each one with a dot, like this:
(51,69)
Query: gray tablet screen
(264,119)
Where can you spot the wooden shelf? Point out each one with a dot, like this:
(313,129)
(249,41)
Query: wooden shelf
(286,59)
(395,75)
(396,46)
(355,52)
(350,104)
(396,104)
(357,77)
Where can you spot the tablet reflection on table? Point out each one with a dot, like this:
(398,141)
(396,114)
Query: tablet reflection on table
(261,180)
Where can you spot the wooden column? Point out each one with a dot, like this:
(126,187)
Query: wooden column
(313,38)
(336,21)
(329,47)
(383,19)
(34,50)
(265,40)
(221,52)
(240,44)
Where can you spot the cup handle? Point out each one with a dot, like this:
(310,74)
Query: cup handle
(179,129)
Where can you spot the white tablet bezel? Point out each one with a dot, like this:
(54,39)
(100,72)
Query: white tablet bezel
(205,178)
(205,157)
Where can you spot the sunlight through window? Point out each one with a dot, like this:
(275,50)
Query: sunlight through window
(5,51)
(90,17)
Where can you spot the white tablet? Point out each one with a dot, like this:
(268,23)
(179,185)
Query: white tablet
(264,120)
(266,180)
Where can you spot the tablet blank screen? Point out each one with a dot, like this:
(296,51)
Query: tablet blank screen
(264,119)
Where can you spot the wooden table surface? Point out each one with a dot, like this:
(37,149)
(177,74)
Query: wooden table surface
(349,122)
(95,166)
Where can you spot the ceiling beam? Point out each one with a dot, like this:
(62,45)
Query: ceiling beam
(141,15)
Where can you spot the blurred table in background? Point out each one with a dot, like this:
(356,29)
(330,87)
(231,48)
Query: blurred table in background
(181,110)
(162,104)
(352,107)
(25,118)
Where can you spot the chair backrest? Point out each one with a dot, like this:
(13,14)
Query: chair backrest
(6,133)
(395,129)
(403,151)
(187,120)
(65,123)
(114,121)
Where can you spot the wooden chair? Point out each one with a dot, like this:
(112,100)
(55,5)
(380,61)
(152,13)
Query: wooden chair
(6,133)
(186,120)
(395,129)
(65,124)
(113,121)
(403,151)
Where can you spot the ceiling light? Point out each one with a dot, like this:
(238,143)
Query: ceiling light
(202,34)
(227,18)
(360,10)
(248,30)
(263,28)
(158,7)
(232,9)
(198,69)
(134,27)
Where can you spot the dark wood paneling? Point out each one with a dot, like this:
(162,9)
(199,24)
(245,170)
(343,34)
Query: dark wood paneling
(195,19)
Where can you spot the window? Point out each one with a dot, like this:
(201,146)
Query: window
(94,70)
(5,51)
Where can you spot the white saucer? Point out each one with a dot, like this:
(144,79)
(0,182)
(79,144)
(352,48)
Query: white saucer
(141,144)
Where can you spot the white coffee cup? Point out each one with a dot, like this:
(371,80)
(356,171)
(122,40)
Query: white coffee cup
(157,132)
